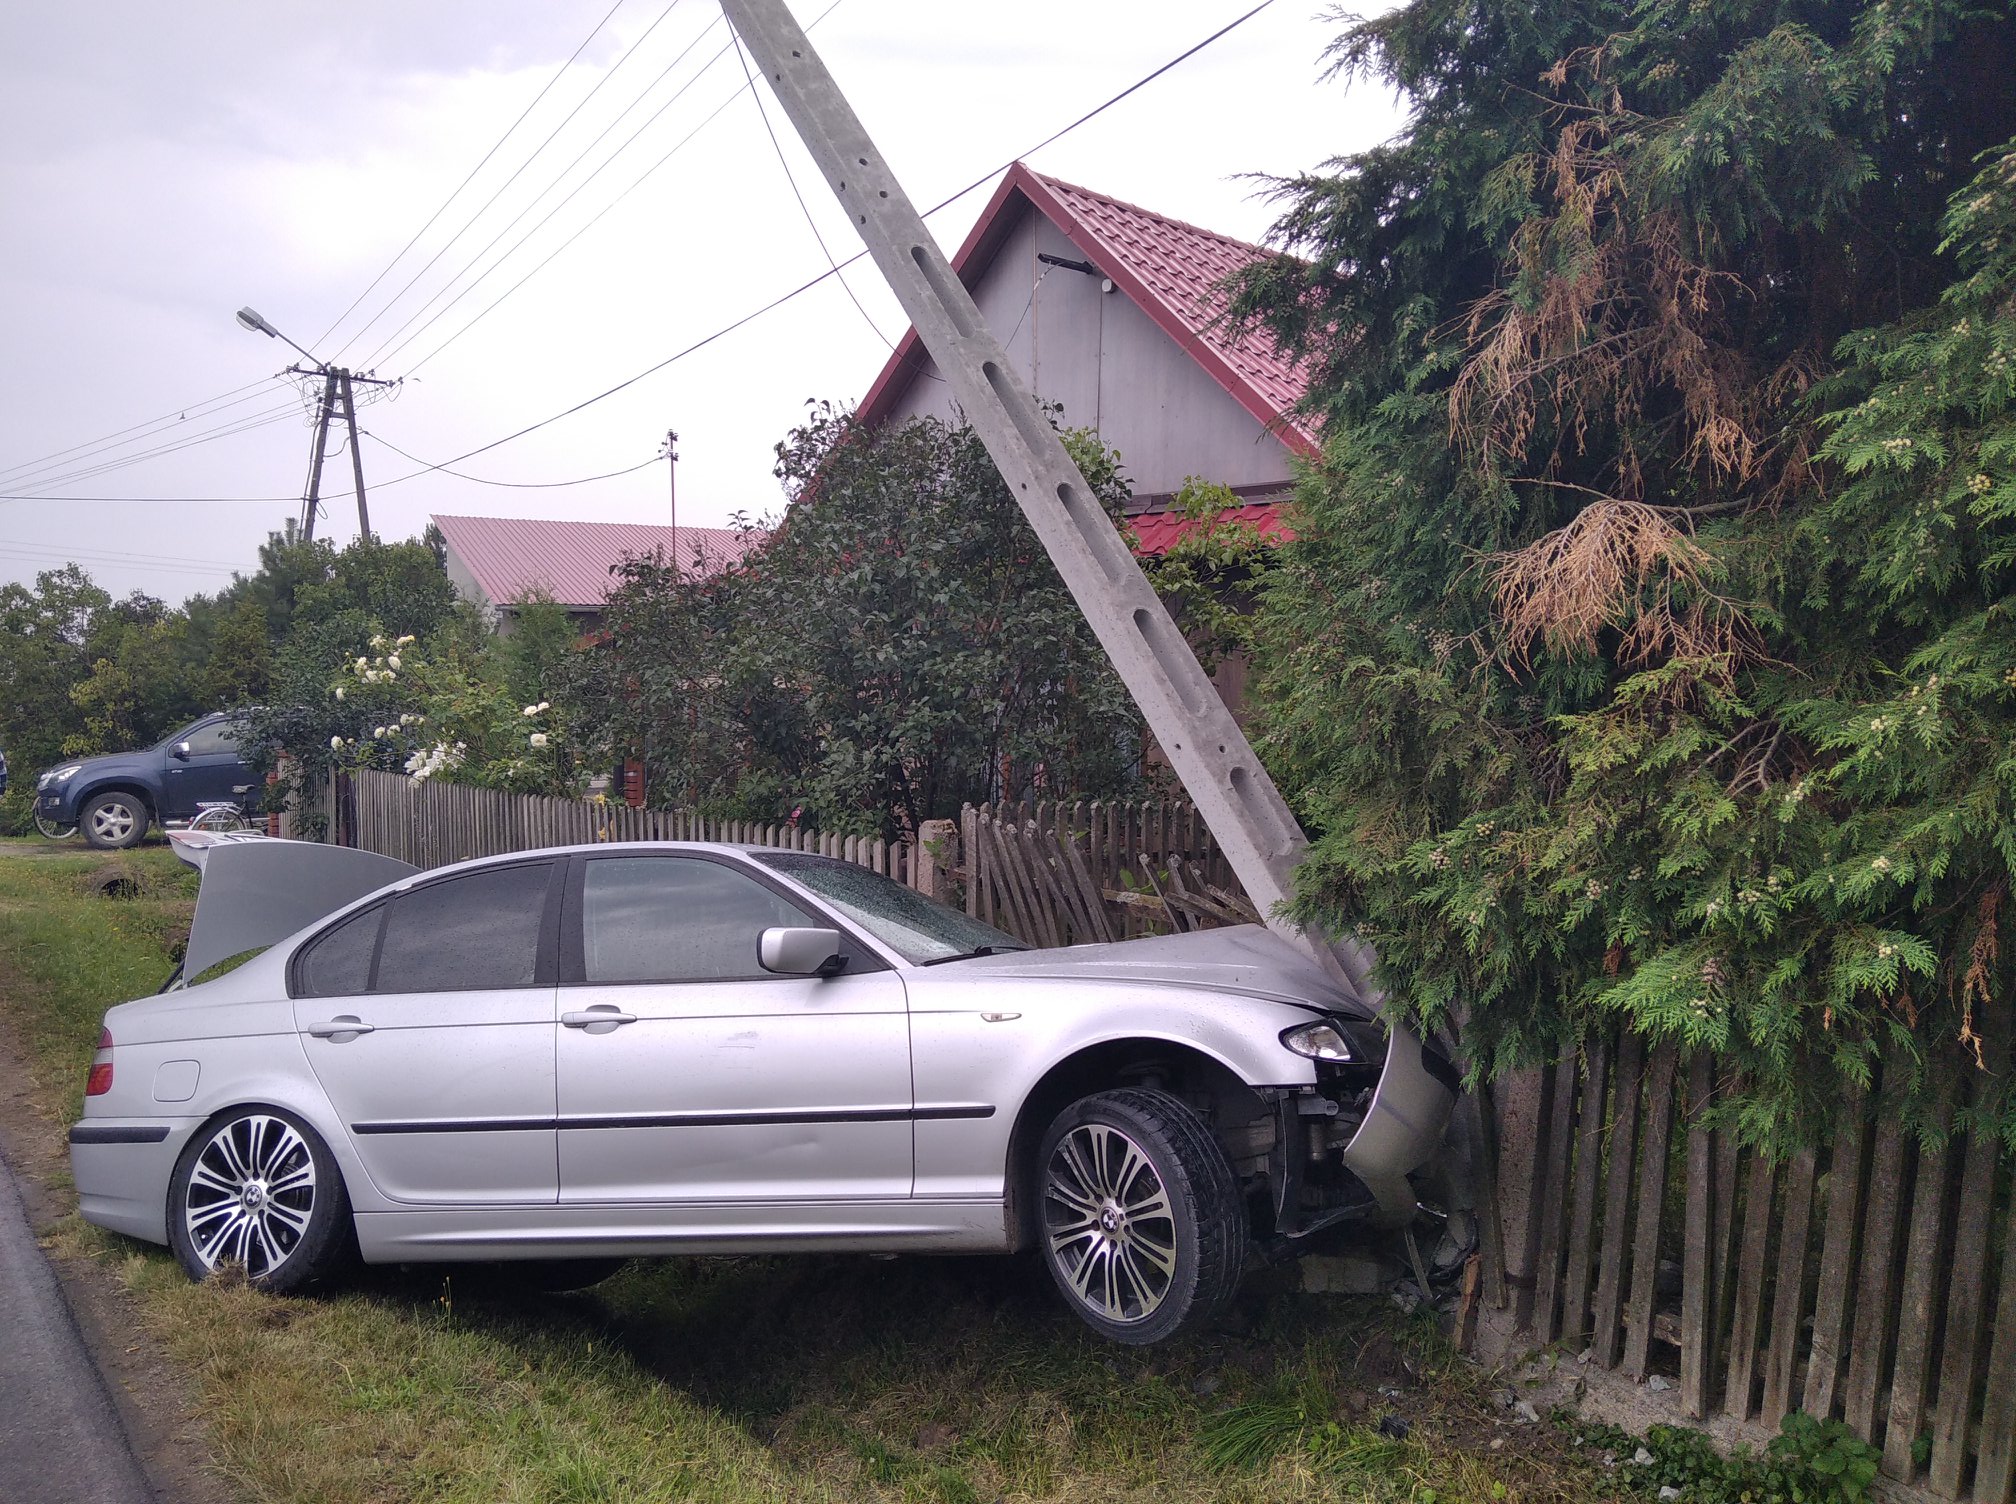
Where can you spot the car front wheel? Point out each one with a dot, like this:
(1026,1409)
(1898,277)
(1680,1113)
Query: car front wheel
(1142,1226)
(257,1189)
(114,821)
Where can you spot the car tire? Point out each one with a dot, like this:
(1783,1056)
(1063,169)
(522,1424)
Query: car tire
(114,821)
(258,1189)
(1139,1216)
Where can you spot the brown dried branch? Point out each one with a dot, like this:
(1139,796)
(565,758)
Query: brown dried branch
(1982,958)
(1618,567)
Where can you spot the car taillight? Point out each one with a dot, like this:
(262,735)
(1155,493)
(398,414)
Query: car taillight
(100,1080)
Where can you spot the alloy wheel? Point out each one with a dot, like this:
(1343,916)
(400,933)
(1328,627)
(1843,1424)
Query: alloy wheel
(251,1194)
(112,824)
(1111,1229)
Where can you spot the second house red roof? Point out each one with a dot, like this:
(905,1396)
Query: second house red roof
(514,558)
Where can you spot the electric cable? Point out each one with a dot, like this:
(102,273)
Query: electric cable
(509,130)
(635,184)
(518,485)
(245,424)
(776,146)
(470,223)
(19,474)
(179,501)
(806,286)
(387,348)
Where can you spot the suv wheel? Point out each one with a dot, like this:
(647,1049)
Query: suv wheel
(1142,1226)
(114,821)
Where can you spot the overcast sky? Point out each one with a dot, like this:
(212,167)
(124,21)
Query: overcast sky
(162,166)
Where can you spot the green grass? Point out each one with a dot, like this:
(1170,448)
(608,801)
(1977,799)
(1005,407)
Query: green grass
(815,1378)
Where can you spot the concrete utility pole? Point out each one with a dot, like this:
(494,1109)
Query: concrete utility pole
(1247,815)
(311,503)
(672,481)
(336,383)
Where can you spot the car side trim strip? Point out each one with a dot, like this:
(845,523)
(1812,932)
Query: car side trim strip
(114,1133)
(685,1120)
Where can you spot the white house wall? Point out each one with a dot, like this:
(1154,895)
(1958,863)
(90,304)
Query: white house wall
(1112,368)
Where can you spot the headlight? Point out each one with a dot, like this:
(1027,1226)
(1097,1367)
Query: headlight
(60,775)
(1319,1041)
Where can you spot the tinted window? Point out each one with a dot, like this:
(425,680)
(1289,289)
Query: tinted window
(481,930)
(339,964)
(218,736)
(673,919)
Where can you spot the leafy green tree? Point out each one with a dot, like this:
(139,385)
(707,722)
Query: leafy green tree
(1644,653)
(900,644)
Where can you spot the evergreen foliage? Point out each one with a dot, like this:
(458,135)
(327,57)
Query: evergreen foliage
(1646,652)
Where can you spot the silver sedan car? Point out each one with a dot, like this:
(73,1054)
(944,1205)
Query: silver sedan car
(583,1055)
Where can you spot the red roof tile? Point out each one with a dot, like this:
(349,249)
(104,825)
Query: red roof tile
(513,557)
(1156,531)
(1169,268)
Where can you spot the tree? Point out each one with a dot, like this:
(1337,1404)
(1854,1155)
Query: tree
(1639,653)
(899,645)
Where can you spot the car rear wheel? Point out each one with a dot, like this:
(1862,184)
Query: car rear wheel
(114,821)
(257,1189)
(1142,1226)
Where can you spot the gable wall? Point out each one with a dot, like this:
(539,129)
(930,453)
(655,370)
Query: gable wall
(1113,369)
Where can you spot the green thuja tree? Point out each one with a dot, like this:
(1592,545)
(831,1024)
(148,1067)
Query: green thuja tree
(1645,653)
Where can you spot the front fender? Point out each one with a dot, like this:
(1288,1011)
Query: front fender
(993,1049)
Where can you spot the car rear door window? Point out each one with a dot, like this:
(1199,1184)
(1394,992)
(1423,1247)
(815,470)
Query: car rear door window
(676,919)
(338,964)
(480,930)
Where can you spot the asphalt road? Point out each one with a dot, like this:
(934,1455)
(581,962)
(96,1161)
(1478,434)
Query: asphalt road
(61,1441)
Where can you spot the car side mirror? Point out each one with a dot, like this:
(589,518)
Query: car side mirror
(182,752)
(801,952)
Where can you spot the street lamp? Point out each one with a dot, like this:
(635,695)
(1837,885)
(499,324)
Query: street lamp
(249,318)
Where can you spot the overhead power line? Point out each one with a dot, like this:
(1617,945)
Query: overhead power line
(18,474)
(833,271)
(518,485)
(387,348)
(180,501)
(558,74)
(244,424)
(470,223)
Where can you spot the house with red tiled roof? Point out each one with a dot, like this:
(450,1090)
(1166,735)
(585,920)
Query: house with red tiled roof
(496,563)
(1112,312)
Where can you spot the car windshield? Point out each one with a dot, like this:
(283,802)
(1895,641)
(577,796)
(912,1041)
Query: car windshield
(918,929)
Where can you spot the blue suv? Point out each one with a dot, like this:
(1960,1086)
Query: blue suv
(113,799)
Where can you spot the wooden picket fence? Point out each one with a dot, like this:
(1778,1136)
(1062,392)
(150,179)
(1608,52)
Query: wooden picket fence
(1873,1280)
(431,824)
(1049,874)
(1055,873)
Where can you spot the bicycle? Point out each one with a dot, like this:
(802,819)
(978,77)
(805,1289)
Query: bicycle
(220,815)
(54,830)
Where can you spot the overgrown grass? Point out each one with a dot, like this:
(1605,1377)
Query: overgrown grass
(815,1378)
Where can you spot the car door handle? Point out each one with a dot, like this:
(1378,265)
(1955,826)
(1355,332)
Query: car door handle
(599,1019)
(343,1027)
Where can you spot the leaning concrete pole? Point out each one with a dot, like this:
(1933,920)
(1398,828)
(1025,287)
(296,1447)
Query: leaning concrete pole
(1246,813)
